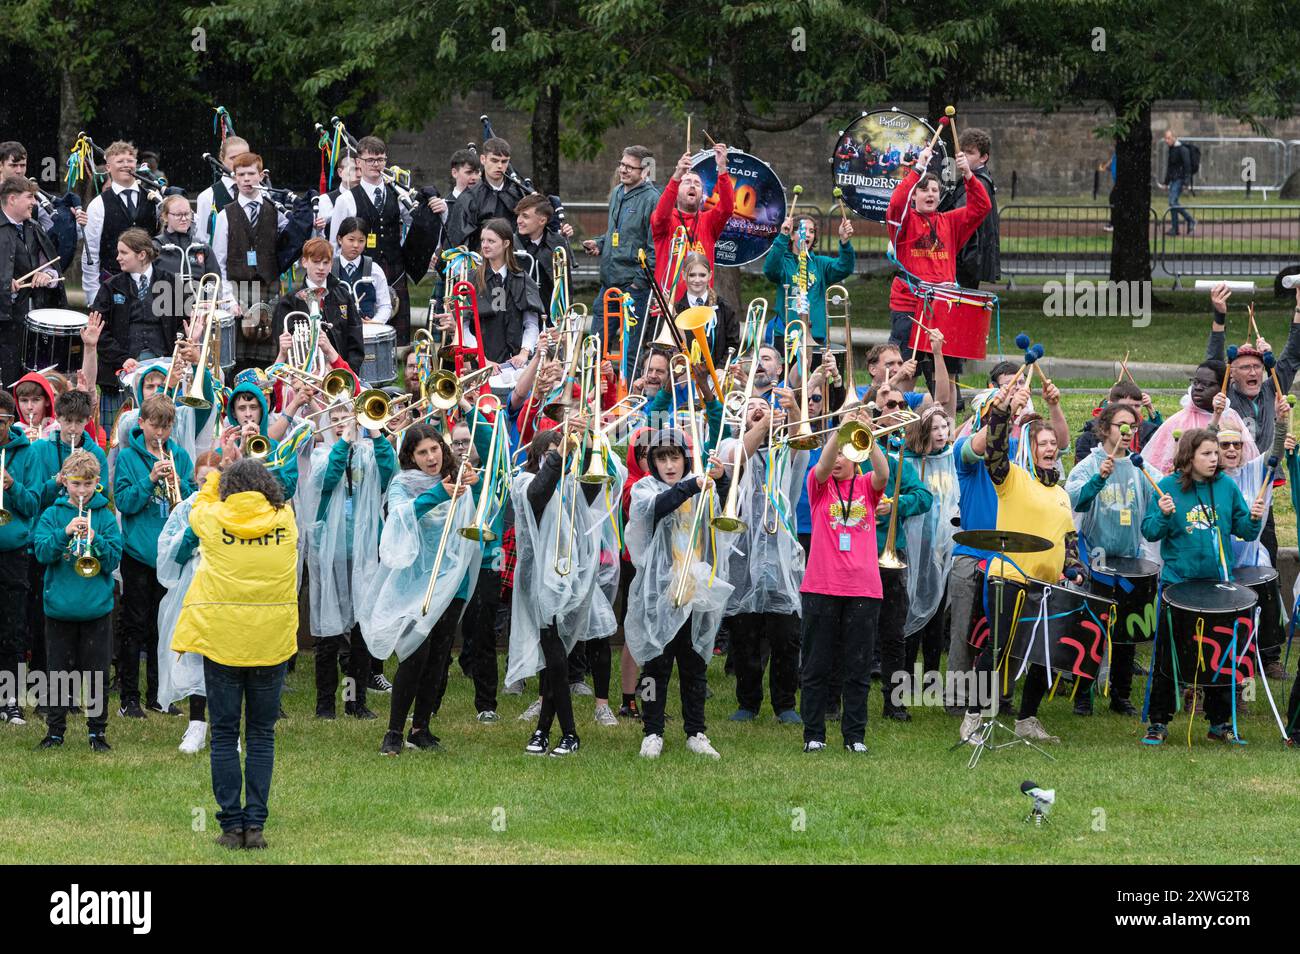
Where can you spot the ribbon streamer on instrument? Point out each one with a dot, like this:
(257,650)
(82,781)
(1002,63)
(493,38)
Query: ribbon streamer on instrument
(459,261)
(222,123)
(629,322)
(81,165)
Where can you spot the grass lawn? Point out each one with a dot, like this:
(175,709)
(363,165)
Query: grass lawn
(336,800)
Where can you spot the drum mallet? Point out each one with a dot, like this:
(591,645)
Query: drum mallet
(950,112)
(1268,481)
(1136,461)
(1124,432)
(838,193)
(798,191)
(943,121)
(1290,418)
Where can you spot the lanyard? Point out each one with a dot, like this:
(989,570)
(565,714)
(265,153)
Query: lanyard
(690,230)
(844,505)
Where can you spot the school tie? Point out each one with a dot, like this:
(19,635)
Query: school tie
(352,270)
(253,208)
(129,197)
(379,198)
(141,288)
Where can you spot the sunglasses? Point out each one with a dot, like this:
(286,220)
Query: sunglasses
(894,405)
(1225,445)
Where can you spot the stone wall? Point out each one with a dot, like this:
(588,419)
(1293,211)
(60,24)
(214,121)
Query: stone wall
(1050,154)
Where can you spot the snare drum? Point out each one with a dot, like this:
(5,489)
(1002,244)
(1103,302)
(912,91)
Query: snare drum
(1262,581)
(229,337)
(1073,623)
(1202,617)
(380,365)
(1133,585)
(52,338)
(962,314)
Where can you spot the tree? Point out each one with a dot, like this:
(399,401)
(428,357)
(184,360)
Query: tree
(1234,58)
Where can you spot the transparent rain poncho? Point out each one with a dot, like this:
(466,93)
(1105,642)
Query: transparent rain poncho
(929,540)
(179,674)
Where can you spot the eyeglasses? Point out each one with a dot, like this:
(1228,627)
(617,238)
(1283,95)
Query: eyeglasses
(461,443)
(626,168)
(814,399)
(180,215)
(374,160)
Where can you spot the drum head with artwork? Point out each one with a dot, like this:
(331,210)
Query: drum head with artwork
(875,152)
(759,207)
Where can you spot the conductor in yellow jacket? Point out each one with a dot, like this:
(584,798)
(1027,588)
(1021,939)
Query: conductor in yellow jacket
(241,616)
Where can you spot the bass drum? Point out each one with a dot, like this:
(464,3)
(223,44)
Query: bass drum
(759,206)
(873,154)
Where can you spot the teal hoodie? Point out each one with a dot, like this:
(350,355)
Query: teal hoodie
(67,595)
(286,473)
(141,501)
(23,499)
(51,452)
(1204,518)
(202,418)
(781,268)
(916,497)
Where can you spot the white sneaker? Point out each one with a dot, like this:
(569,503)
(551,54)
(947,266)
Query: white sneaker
(814,746)
(580,689)
(651,746)
(532,712)
(1033,730)
(699,744)
(196,736)
(605,715)
(487,715)
(970,727)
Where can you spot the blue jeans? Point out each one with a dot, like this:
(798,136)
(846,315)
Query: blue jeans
(230,689)
(1176,210)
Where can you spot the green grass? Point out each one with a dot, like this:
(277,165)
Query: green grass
(336,800)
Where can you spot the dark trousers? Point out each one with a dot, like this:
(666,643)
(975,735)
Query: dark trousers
(419,675)
(328,649)
(928,642)
(556,701)
(13,624)
(1268,537)
(254,693)
(1218,699)
(657,672)
(83,648)
(577,664)
(11,350)
(831,624)
(478,654)
(781,631)
(890,638)
(598,659)
(36,614)
(1121,670)
(400,320)
(141,594)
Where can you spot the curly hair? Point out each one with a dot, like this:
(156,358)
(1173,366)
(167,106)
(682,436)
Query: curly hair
(415,435)
(247,475)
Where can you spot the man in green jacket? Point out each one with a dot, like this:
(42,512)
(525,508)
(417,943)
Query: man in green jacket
(627,233)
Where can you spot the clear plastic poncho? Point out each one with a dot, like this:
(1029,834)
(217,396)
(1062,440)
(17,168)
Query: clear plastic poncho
(180,675)
(607,509)
(391,618)
(342,561)
(1250,477)
(659,554)
(1104,526)
(765,569)
(574,601)
(306,500)
(929,539)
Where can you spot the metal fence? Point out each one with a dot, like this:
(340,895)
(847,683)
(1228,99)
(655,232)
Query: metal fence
(1229,162)
(1056,239)
(1246,240)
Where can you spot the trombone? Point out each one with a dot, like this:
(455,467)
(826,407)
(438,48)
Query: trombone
(679,596)
(837,296)
(205,305)
(479,530)
(889,558)
(595,473)
(796,333)
(446,533)
(734,411)
(445,390)
(85,564)
(856,438)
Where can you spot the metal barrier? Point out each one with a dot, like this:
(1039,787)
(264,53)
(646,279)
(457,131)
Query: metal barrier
(1055,239)
(1227,161)
(1248,240)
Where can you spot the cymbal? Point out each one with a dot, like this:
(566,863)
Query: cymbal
(1001,541)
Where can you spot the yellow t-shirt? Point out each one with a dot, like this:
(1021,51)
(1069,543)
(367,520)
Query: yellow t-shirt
(1027,506)
(242,608)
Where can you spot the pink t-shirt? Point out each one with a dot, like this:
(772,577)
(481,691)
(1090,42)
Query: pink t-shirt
(832,569)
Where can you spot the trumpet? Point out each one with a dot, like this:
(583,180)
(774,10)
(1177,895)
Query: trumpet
(85,565)
(257,447)
(172,482)
(5,515)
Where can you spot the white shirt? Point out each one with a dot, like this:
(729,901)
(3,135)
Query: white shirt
(221,234)
(90,263)
(203,210)
(383,297)
(346,207)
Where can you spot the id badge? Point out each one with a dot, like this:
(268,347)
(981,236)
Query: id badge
(371,240)
(613,238)
(347,509)
(1126,518)
(251,258)
(846,543)
(163,509)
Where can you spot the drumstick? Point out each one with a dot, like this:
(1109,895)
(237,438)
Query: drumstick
(688,134)
(917,347)
(1123,368)
(32,284)
(38,268)
(708,137)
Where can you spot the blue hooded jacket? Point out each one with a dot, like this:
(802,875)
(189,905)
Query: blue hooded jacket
(140,500)
(23,499)
(286,473)
(67,595)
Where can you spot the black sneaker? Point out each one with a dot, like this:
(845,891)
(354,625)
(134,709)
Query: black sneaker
(358,710)
(379,684)
(1083,705)
(538,744)
(568,745)
(1123,707)
(253,838)
(1223,733)
(132,710)
(155,706)
(325,713)
(629,711)
(1156,734)
(231,839)
(13,715)
(392,744)
(99,744)
(422,739)
(898,715)
(50,742)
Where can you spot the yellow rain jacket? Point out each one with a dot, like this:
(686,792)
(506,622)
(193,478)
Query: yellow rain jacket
(242,608)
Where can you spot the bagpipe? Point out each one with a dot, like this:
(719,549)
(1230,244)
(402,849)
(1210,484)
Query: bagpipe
(81,168)
(423,234)
(525,184)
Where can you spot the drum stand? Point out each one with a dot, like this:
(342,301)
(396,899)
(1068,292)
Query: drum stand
(983,737)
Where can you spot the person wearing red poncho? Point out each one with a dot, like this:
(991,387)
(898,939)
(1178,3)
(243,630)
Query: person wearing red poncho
(926,241)
(682,204)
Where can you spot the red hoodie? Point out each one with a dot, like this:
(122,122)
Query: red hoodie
(702,228)
(927,245)
(33,427)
